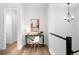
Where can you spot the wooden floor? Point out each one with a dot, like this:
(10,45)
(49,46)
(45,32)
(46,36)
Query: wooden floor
(26,50)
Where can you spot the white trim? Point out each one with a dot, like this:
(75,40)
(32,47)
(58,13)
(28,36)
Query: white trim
(52,52)
(4,31)
(3,48)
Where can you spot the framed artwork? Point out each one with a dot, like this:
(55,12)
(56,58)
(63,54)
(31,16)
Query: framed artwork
(35,25)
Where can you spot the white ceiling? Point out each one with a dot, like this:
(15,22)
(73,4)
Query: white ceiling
(65,4)
(37,5)
(41,5)
(72,5)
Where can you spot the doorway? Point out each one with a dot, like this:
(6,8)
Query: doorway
(11,27)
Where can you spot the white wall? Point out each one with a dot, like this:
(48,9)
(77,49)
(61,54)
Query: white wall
(77,27)
(57,25)
(36,11)
(2,37)
(14,24)
(8,25)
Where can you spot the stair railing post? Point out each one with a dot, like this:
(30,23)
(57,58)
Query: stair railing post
(69,45)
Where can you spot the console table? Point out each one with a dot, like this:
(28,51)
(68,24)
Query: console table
(28,36)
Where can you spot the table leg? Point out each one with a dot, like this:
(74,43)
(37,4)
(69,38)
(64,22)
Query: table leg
(26,40)
(43,40)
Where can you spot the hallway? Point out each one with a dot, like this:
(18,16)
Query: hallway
(32,23)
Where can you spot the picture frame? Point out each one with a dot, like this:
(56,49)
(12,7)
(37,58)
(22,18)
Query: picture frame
(34,25)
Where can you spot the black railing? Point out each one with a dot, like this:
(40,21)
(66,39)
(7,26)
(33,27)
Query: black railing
(58,36)
(68,44)
(75,51)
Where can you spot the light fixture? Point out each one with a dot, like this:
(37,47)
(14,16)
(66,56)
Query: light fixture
(68,17)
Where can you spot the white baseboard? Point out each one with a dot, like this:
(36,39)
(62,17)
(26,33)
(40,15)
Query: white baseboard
(2,48)
(20,46)
(52,52)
